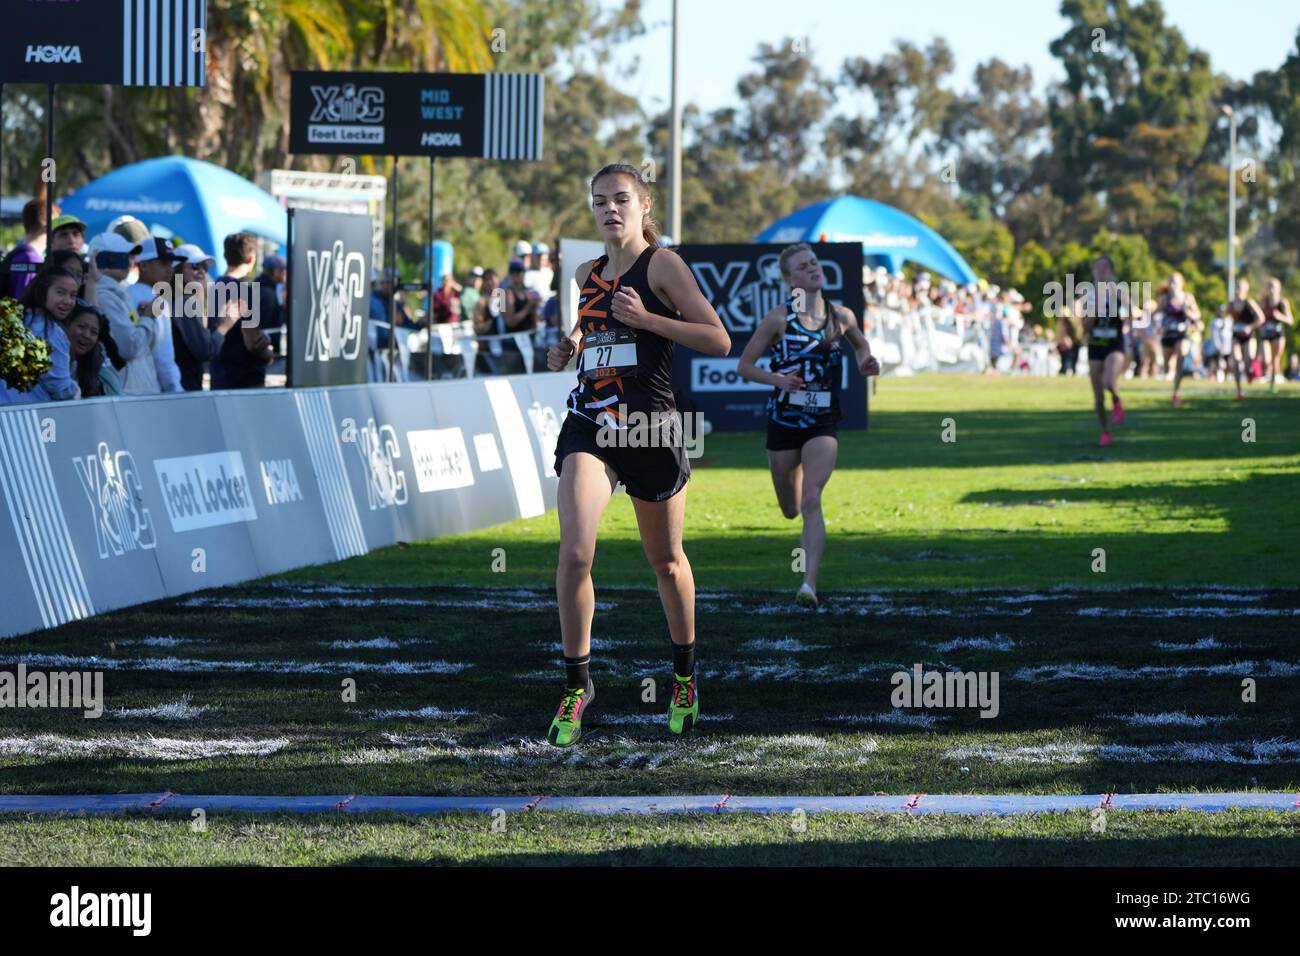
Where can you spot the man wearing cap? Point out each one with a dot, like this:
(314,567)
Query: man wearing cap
(115,257)
(195,341)
(538,277)
(22,263)
(155,263)
(67,232)
(270,288)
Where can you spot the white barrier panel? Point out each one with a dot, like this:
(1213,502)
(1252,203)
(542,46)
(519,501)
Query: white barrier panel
(117,501)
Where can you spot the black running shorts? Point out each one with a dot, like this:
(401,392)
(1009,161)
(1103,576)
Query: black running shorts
(653,473)
(785,438)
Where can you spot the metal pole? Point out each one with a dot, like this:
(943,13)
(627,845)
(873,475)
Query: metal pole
(675,173)
(49,154)
(428,349)
(1232,203)
(392,294)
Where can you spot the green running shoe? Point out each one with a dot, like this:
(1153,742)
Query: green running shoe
(566,728)
(684,711)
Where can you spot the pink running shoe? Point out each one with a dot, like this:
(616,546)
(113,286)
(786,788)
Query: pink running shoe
(1178,399)
(1105,439)
(1117,414)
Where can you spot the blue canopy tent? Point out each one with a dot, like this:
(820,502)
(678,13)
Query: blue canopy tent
(888,235)
(175,195)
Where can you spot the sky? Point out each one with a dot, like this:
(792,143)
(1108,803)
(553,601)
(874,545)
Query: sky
(719,37)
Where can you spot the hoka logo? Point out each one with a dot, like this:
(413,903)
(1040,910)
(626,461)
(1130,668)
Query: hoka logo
(53,54)
(440,139)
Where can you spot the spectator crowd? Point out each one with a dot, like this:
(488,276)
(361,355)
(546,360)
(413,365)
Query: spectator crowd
(996,331)
(129,313)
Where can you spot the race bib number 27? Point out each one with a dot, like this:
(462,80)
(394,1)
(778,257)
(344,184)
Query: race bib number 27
(608,354)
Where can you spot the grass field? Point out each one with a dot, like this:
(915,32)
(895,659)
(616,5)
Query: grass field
(975,555)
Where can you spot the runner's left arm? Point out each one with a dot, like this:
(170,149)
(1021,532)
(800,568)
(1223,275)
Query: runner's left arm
(867,363)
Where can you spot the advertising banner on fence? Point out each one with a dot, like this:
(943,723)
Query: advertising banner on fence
(120,42)
(487,115)
(743,282)
(328,297)
(117,501)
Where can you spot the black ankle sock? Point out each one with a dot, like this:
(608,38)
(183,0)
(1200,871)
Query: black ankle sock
(577,671)
(684,659)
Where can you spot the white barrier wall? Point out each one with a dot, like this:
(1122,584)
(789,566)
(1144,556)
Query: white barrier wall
(117,501)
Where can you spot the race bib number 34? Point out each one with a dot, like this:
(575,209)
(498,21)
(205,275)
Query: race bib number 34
(809,399)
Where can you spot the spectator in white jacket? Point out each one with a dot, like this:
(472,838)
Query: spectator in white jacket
(156,265)
(135,336)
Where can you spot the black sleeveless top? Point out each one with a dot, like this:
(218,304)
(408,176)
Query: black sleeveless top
(235,366)
(817,361)
(621,369)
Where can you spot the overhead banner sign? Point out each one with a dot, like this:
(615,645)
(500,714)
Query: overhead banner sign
(119,42)
(742,283)
(328,297)
(488,115)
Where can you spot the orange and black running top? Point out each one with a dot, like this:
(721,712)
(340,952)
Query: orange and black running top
(621,369)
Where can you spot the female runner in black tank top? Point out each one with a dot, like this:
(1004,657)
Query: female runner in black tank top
(1180,315)
(1272,334)
(802,443)
(1246,317)
(1103,326)
(635,302)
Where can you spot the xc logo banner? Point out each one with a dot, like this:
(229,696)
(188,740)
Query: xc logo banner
(329,296)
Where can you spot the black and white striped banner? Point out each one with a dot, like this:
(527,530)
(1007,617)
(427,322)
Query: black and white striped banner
(163,42)
(512,123)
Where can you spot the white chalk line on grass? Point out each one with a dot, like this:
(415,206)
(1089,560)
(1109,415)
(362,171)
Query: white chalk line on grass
(161,641)
(1204,644)
(195,666)
(995,643)
(788,645)
(138,747)
(1195,611)
(1248,752)
(1175,718)
(177,710)
(792,753)
(430,713)
(658,717)
(899,718)
(1077,671)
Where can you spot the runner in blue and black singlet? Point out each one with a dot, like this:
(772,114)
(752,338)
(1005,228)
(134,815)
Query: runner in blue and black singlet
(814,409)
(803,339)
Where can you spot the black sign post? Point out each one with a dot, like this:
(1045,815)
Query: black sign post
(328,297)
(742,283)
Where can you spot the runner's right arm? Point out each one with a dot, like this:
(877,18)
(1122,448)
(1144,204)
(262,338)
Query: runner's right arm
(768,331)
(558,355)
